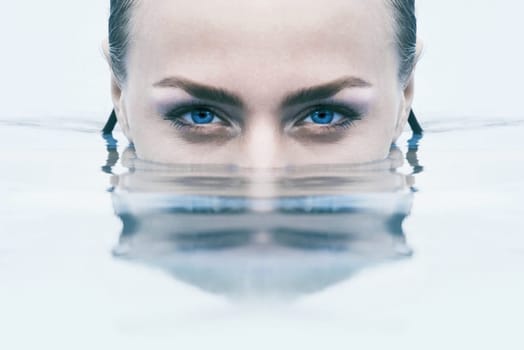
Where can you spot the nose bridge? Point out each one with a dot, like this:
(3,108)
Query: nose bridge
(261,142)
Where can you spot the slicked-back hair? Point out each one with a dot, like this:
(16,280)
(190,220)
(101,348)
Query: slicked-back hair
(119,36)
(406,33)
(403,12)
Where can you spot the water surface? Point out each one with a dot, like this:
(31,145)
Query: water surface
(99,250)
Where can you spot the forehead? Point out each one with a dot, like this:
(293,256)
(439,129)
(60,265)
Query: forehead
(194,37)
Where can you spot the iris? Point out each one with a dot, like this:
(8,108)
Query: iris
(202,117)
(323,117)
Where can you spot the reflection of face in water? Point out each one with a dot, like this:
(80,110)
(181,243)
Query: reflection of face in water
(284,233)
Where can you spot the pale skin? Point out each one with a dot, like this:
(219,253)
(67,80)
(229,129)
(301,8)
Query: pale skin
(260,55)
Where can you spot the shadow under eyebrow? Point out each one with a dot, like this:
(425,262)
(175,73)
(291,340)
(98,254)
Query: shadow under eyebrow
(220,95)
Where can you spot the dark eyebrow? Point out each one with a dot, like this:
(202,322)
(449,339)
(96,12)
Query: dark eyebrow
(203,92)
(224,96)
(323,91)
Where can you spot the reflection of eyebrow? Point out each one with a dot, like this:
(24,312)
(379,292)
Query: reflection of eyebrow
(323,91)
(220,95)
(202,92)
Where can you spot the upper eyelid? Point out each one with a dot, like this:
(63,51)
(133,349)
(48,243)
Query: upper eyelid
(335,106)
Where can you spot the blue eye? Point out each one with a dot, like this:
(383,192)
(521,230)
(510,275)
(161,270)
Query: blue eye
(323,117)
(200,117)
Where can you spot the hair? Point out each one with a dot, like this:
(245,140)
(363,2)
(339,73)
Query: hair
(119,36)
(406,33)
(120,28)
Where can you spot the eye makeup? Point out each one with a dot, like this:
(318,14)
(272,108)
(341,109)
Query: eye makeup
(348,112)
(294,122)
(219,131)
(176,112)
(308,132)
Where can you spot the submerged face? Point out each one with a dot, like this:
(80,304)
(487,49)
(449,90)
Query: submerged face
(262,83)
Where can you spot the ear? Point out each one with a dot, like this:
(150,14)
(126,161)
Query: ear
(408,93)
(116,93)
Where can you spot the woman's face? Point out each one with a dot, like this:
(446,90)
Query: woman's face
(262,83)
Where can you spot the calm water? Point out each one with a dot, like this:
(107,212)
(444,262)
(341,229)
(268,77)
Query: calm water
(422,251)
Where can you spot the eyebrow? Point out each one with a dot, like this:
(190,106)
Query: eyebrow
(323,91)
(220,95)
(201,91)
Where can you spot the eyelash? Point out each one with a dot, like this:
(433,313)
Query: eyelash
(349,113)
